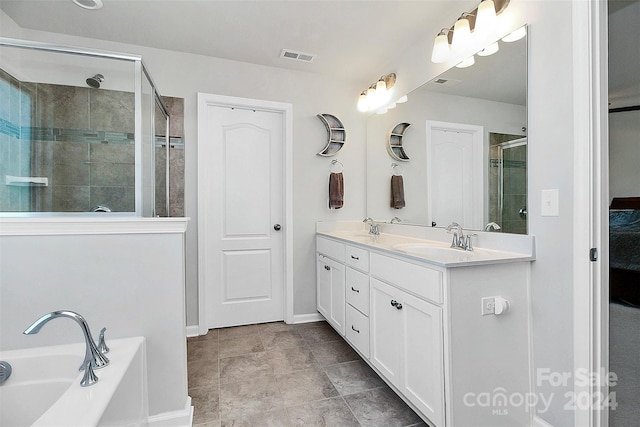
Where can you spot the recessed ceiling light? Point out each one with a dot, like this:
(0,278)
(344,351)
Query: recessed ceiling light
(89,4)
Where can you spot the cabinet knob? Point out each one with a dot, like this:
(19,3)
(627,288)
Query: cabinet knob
(396,304)
(326,267)
(355,290)
(354,329)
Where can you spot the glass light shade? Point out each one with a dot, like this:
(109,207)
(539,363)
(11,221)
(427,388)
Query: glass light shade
(402,99)
(489,50)
(485,19)
(363,105)
(516,35)
(467,62)
(391,106)
(441,49)
(461,34)
(382,111)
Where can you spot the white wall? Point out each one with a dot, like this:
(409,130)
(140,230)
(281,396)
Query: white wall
(183,75)
(132,284)
(624,154)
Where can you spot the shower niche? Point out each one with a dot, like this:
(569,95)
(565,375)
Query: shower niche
(82,131)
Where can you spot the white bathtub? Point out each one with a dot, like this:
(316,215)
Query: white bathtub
(44,387)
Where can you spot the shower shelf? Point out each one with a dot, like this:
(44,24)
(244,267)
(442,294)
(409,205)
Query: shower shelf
(24,181)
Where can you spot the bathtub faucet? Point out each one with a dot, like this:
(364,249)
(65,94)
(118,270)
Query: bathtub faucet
(93,358)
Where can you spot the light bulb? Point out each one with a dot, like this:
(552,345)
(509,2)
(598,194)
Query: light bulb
(467,62)
(363,105)
(461,33)
(485,19)
(441,48)
(489,50)
(516,35)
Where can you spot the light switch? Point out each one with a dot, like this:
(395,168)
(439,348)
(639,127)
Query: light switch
(549,203)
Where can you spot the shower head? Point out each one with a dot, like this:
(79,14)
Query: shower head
(95,81)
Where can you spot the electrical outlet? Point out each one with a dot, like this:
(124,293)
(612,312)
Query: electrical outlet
(488,306)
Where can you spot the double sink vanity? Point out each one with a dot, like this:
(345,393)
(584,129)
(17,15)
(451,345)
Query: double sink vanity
(446,328)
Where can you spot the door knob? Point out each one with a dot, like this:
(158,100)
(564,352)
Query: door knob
(277,227)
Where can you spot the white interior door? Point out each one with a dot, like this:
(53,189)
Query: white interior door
(241,216)
(455,174)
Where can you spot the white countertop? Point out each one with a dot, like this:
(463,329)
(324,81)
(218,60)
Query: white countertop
(432,245)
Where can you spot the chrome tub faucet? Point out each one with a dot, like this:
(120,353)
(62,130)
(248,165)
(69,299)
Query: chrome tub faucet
(93,358)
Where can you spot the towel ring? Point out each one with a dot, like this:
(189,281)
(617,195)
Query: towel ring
(396,169)
(334,163)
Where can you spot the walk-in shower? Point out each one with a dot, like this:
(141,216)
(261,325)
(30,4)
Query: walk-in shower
(508,182)
(69,143)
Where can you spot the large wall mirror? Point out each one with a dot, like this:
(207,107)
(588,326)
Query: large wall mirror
(463,154)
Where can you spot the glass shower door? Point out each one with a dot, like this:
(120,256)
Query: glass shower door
(513,186)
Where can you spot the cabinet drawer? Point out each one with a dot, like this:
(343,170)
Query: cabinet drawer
(419,280)
(330,248)
(357,258)
(358,290)
(357,328)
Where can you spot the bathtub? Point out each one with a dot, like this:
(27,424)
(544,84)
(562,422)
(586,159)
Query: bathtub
(44,387)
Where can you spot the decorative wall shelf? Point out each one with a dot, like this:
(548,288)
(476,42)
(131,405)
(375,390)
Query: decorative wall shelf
(335,132)
(394,144)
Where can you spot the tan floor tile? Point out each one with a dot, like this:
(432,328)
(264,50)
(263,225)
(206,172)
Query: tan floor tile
(240,345)
(305,386)
(244,368)
(206,404)
(240,399)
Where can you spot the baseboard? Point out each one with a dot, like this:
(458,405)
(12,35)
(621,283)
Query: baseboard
(193,331)
(183,418)
(539,422)
(306,318)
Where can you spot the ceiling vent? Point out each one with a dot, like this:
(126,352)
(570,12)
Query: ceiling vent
(445,82)
(297,56)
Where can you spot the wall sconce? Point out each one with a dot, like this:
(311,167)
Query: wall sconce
(377,94)
(479,23)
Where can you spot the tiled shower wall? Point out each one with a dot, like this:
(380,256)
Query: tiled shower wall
(82,140)
(175,107)
(514,191)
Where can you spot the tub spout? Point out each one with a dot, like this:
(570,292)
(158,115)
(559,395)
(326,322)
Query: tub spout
(93,358)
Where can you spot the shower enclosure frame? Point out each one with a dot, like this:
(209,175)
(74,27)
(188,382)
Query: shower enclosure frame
(144,190)
(501,148)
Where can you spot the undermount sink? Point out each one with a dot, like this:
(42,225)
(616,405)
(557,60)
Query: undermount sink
(433,250)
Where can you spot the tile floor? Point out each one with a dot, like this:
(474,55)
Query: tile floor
(276,374)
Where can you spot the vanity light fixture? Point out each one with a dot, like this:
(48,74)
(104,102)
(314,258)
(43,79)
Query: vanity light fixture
(467,62)
(89,4)
(516,35)
(480,23)
(377,94)
(489,50)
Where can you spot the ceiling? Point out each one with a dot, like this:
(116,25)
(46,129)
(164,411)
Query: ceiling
(350,38)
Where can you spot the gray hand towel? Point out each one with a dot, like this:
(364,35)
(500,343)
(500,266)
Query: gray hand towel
(397,192)
(336,190)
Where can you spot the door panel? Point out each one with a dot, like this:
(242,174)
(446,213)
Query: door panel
(243,201)
(385,339)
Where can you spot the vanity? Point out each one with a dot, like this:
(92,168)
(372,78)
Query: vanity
(447,329)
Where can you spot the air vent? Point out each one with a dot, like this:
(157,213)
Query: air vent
(445,82)
(296,56)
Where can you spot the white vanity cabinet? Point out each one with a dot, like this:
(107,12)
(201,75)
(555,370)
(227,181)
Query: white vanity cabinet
(407,344)
(330,282)
(421,326)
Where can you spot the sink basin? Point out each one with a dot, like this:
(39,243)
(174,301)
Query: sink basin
(433,251)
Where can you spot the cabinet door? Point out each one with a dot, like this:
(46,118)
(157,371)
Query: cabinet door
(385,330)
(422,357)
(331,291)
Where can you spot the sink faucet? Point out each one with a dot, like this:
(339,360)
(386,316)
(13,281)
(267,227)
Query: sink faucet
(458,238)
(93,358)
(491,226)
(374,230)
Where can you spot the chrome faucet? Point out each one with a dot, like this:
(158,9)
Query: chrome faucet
(93,358)
(458,238)
(491,226)
(395,219)
(460,241)
(374,230)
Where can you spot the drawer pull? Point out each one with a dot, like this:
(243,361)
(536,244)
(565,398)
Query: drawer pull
(326,267)
(396,304)
(355,257)
(354,329)
(355,290)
